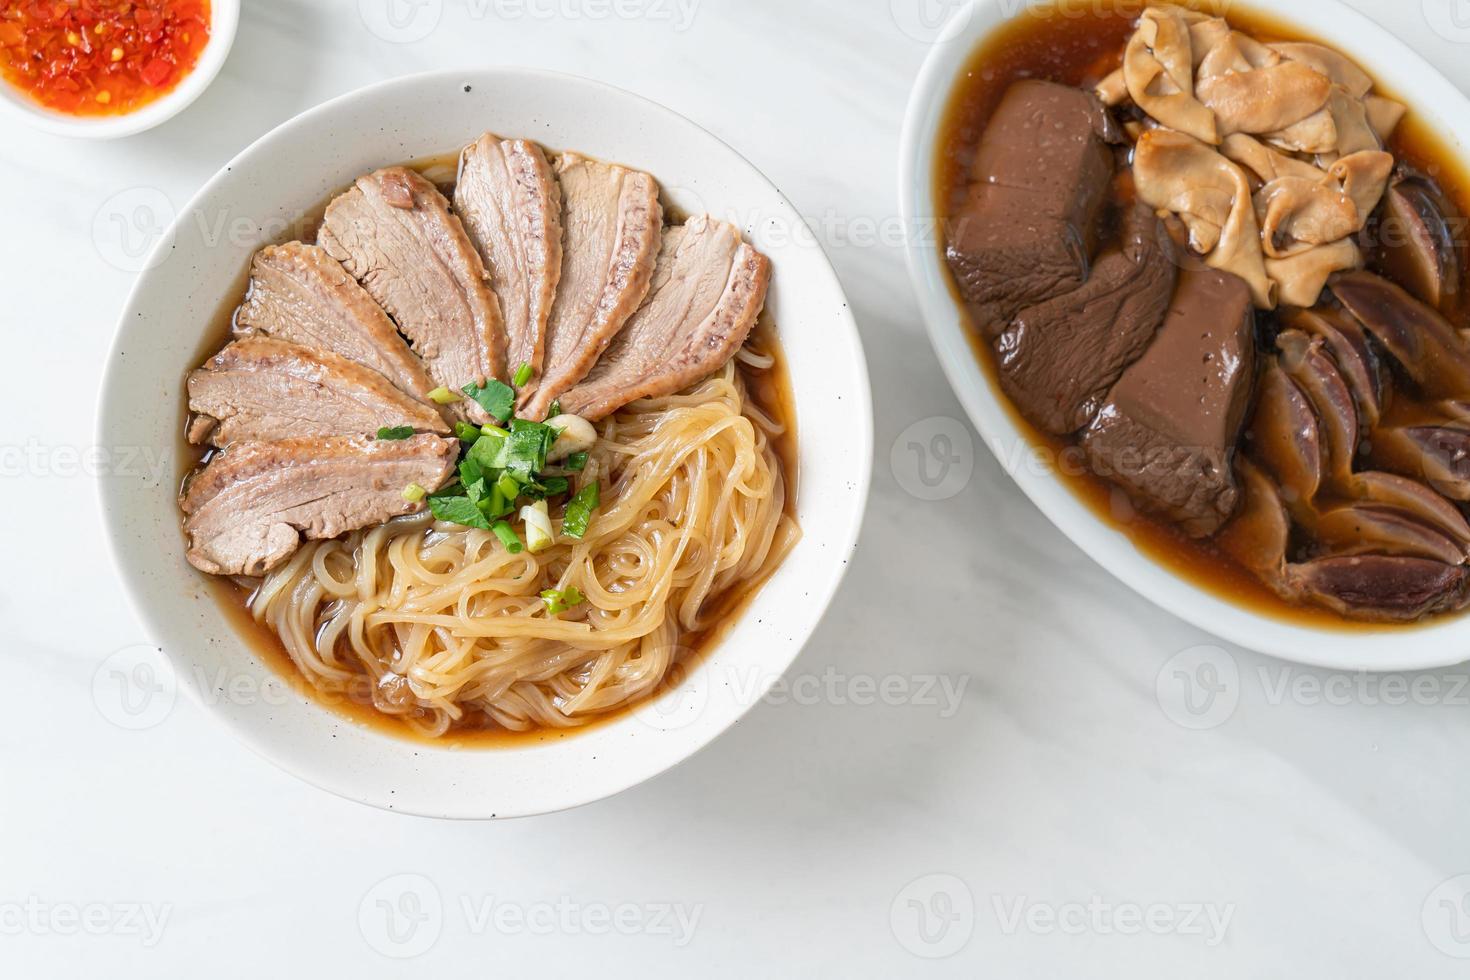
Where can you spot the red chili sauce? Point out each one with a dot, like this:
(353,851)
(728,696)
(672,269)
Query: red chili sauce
(100,57)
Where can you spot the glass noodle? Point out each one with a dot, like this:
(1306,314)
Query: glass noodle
(450,629)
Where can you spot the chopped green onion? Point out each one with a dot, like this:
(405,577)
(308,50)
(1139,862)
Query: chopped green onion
(554,410)
(540,535)
(546,486)
(413,493)
(466,432)
(494,505)
(579,511)
(489,454)
(575,463)
(507,537)
(495,397)
(493,431)
(508,486)
(559,601)
(396,432)
(457,509)
(526,452)
(443,396)
(523,374)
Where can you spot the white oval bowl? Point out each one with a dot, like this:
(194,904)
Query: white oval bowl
(1440,643)
(295,167)
(224,19)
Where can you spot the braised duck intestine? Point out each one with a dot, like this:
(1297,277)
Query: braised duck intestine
(1270,154)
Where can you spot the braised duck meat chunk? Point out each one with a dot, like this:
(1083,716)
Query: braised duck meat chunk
(394,232)
(249,508)
(510,203)
(708,289)
(1168,429)
(1058,359)
(1028,225)
(300,294)
(258,388)
(611,228)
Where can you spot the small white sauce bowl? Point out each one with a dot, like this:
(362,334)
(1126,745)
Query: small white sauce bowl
(224,19)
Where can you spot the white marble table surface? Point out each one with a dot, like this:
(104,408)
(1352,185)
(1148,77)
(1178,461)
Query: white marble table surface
(1041,800)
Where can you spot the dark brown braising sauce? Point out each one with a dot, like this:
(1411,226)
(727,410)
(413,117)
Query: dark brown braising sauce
(769,390)
(1078,44)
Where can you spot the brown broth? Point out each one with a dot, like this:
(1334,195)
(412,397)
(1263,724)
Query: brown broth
(1078,43)
(769,390)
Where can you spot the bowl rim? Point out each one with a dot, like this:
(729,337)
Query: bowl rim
(818,599)
(224,24)
(1356,647)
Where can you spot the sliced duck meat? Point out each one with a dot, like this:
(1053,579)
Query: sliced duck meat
(1422,341)
(393,231)
(510,203)
(1438,455)
(1285,436)
(247,511)
(299,293)
(1168,430)
(262,389)
(1058,359)
(1306,361)
(707,293)
(1353,354)
(1026,230)
(1416,244)
(1379,586)
(611,227)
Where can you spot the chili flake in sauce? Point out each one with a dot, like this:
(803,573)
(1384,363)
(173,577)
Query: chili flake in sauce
(100,57)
